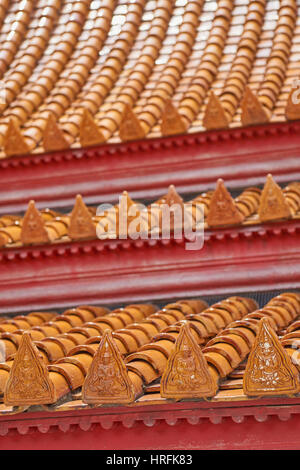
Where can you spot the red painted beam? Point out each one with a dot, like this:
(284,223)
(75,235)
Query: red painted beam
(146,168)
(245,259)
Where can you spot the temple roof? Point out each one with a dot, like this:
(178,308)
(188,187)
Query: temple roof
(80,73)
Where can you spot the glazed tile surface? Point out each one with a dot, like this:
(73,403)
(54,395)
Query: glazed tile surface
(126,70)
(223,335)
(252,206)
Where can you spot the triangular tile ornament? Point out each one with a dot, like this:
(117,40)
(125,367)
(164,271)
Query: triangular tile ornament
(33,227)
(175,208)
(172,123)
(222,209)
(81,223)
(3,240)
(172,197)
(292,110)
(89,132)
(269,369)
(127,211)
(53,137)
(131,128)
(187,374)
(13,140)
(28,382)
(273,205)
(127,200)
(215,116)
(253,112)
(107,380)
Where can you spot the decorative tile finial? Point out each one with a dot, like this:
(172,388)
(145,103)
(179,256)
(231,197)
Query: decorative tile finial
(269,369)
(33,227)
(222,209)
(13,141)
(129,201)
(107,380)
(273,205)
(292,110)
(89,132)
(172,123)
(131,128)
(172,197)
(81,223)
(53,137)
(253,112)
(215,116)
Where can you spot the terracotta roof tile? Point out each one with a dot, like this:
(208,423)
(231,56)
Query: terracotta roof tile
(142,55)
(58,345)
(57,338)
(19,390)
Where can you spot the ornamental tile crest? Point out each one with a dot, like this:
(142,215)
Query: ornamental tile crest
(269,369)
(28,382)
(187,374)
(107,380)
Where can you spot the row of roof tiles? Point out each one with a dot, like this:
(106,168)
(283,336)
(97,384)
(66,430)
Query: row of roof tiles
(217,207)
(80,73)
(191,347)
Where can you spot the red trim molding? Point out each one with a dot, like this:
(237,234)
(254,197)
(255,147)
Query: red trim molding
(192,162)
(253,258)
(254,424)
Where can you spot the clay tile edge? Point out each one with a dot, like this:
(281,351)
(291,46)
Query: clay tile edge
(172,123)
(253,112)
(273,205)
(269,370)
(131,127)
(292,110)
(33,227)
(222,209)
(13,141)
(107,381)
(53,136)
(81,222)
(187,374)
(89,132)
(29,382)
(215,116)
